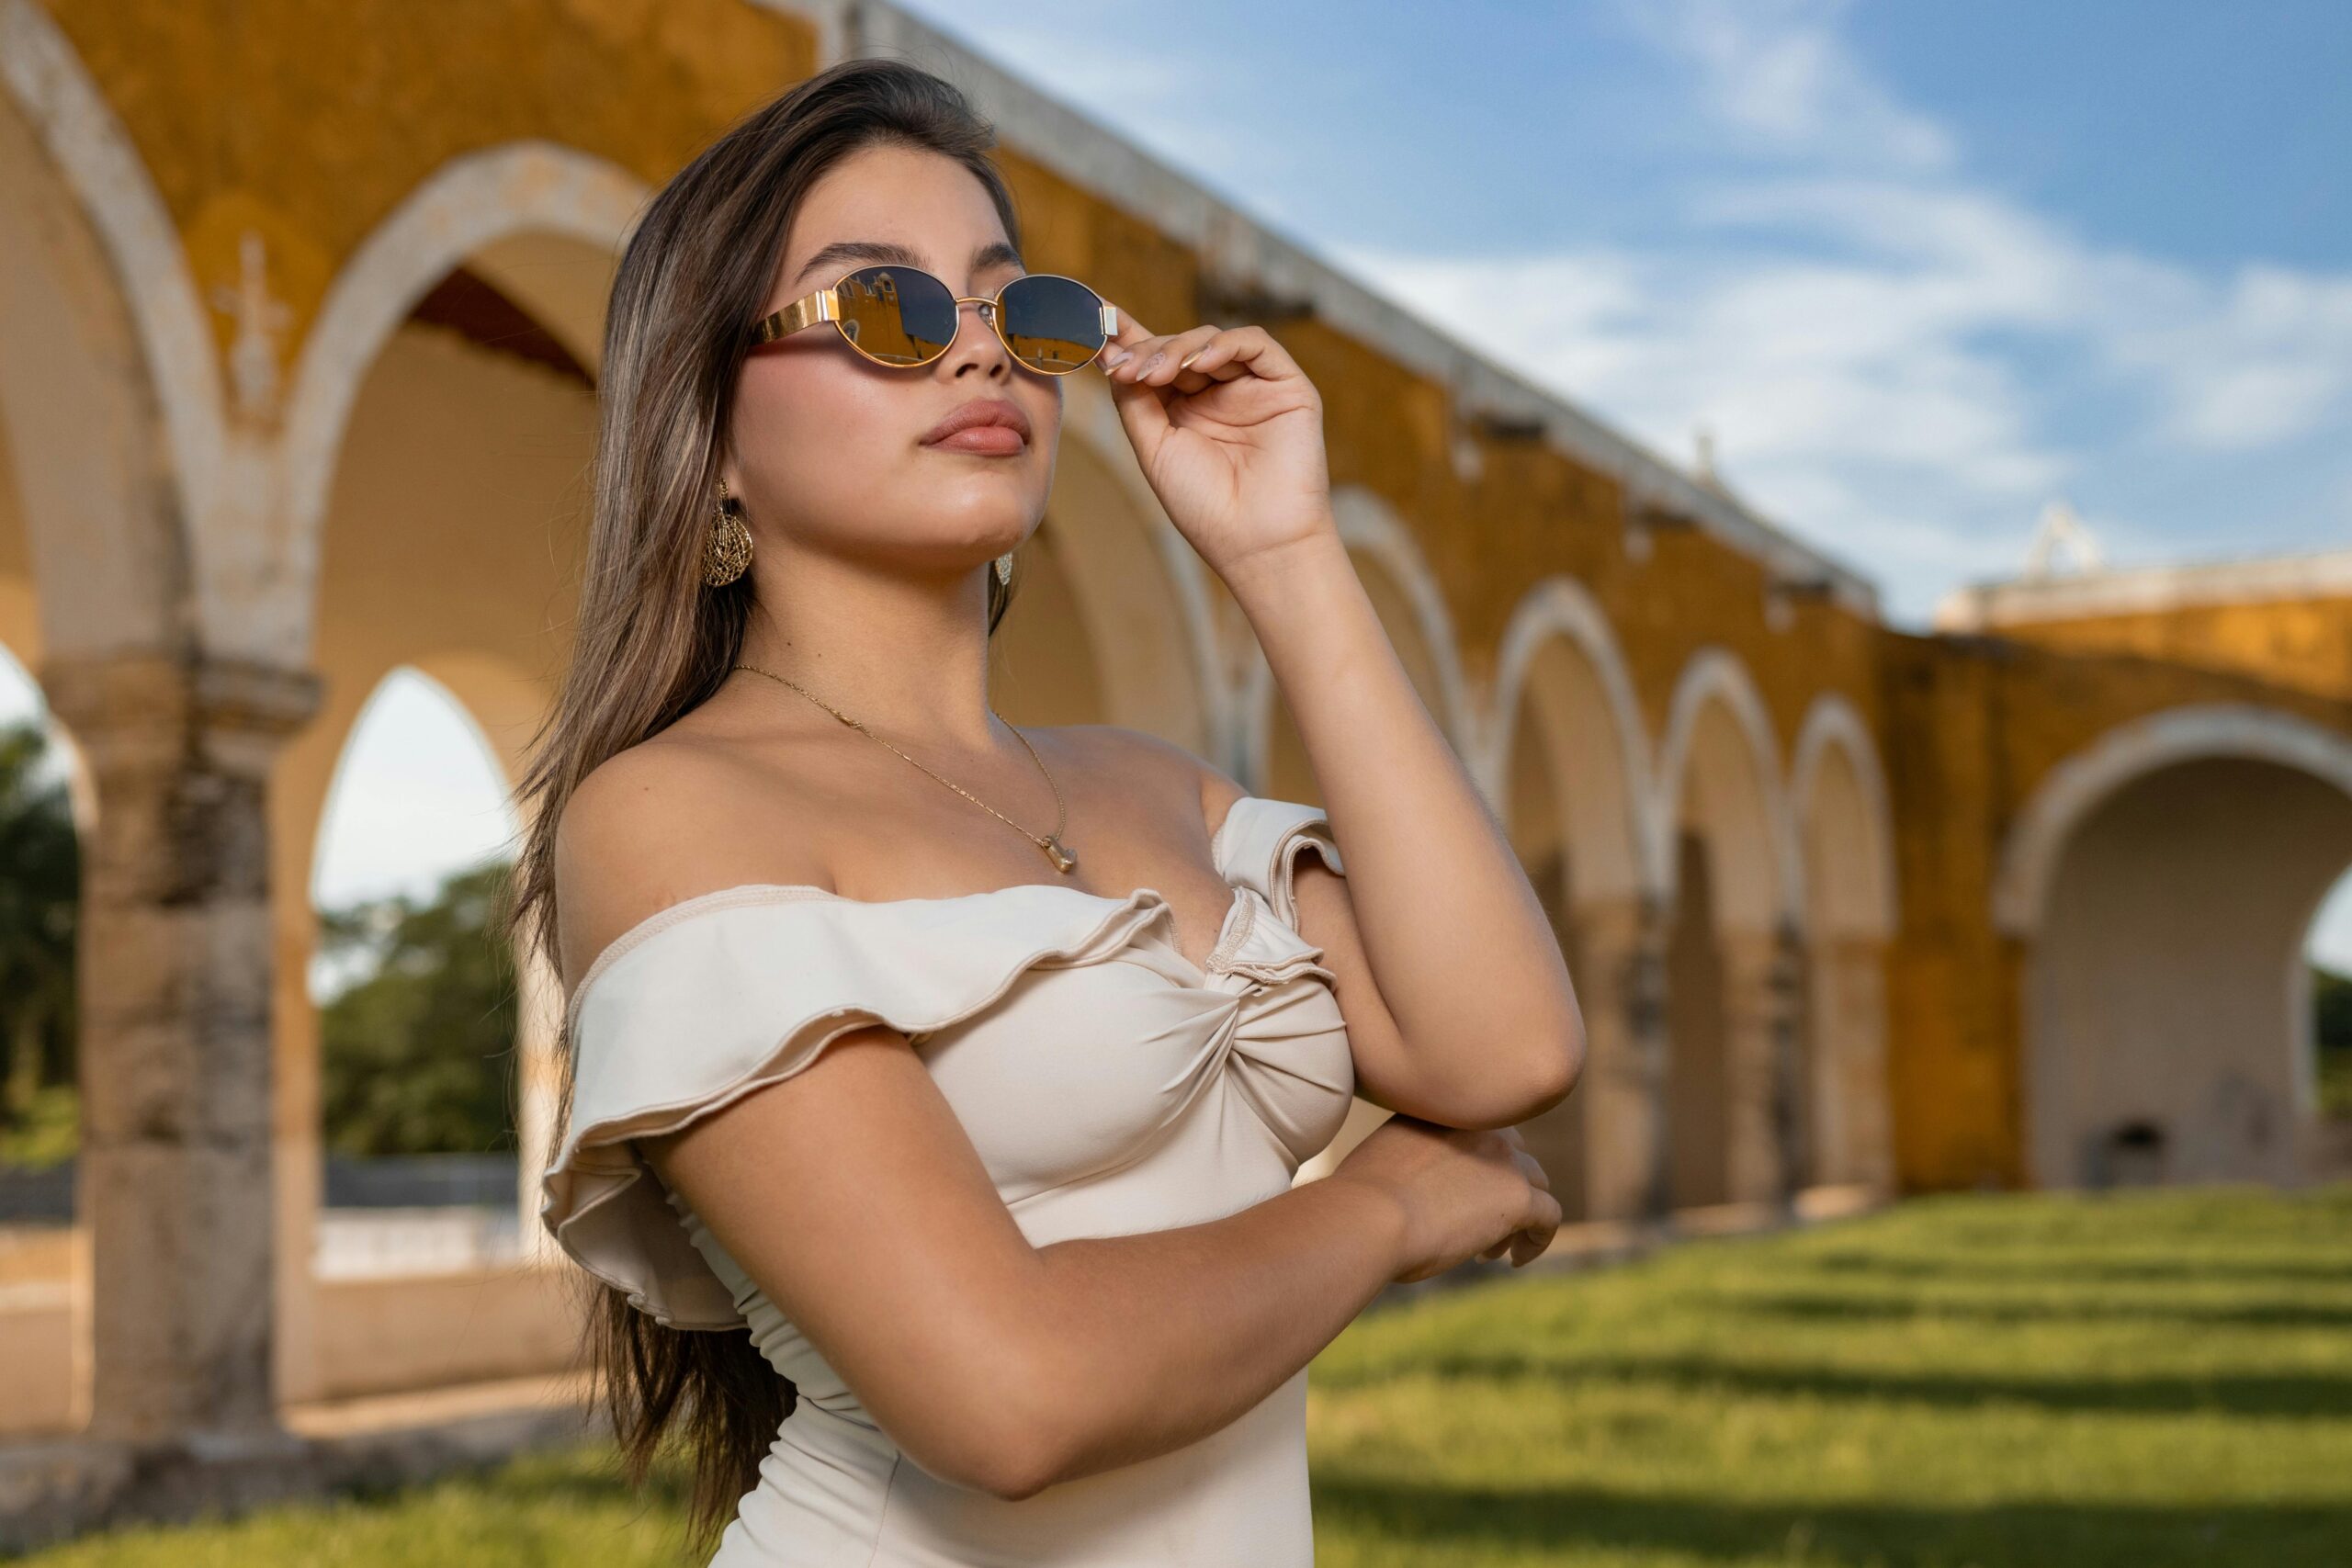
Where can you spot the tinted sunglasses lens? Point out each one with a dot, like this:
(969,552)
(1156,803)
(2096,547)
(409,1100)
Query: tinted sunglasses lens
(1054,324)
(900,315)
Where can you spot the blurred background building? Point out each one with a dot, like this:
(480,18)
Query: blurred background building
(299,325)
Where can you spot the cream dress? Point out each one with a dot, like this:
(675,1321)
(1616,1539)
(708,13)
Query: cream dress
(1111,1086)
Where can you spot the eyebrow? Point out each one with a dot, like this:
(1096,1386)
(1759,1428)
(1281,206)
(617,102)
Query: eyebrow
(995,252)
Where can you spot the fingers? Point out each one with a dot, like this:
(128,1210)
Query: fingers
(1532,1241)
(1155,361)
(1123,343)
(1191,359)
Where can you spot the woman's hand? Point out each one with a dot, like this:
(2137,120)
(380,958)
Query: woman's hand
(1464,1194)
(1229,432)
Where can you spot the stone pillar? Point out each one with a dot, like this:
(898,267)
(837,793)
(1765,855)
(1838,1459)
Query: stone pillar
(1764,1073)
(174,984)
(538,1019)
(1621,990)
(1846,1003)
(1791,1126)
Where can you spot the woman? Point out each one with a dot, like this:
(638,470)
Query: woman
(984,1132)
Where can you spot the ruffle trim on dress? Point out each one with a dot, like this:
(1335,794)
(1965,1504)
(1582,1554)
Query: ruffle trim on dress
(702,1011)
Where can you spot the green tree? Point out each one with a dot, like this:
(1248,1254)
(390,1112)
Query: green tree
(418,1058)
(40,901)
(2332,998)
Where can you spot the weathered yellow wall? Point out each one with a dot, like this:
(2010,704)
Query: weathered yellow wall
(2304,644)
(1975,727)
(312,123)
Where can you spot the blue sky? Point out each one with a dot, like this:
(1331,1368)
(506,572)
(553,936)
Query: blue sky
(1919,265)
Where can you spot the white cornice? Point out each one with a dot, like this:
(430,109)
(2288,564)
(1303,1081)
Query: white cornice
(2323,574)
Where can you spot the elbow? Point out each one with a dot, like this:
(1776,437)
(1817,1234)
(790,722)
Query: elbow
(991,1452)
(1039,1452)
(1559,1066)
(1012,1472)
(1003,1436)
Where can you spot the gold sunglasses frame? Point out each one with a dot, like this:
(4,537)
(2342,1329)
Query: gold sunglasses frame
(824,304)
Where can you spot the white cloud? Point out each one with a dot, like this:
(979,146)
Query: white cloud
(1894,358)
(1161,99)
(1846,323)
(1844,397)
(2263,362)
(1777,72)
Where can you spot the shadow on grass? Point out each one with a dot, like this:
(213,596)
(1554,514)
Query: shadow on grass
(2089,1271)
(1471,1520)
(579,1471)
(1805,1307)
(2286,1395)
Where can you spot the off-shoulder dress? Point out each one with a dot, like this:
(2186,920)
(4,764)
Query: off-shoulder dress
(1111,1086)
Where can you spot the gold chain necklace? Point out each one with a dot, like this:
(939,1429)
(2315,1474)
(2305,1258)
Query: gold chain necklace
(1051,844)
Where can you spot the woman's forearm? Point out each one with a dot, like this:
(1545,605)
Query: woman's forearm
(1141,1344)
(1462,950)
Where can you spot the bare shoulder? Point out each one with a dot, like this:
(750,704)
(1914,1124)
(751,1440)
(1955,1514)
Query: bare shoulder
(647,829)
(1144,761)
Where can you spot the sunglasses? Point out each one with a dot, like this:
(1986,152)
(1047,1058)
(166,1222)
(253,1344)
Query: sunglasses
(905,318)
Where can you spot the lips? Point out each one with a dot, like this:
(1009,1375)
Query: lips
(984,425)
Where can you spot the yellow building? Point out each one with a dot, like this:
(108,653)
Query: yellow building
(299,322)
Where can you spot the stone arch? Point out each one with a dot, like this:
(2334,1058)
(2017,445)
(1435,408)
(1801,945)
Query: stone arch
(1373,531)
(1845,834)
(1047,666)
(457,685)
(1138,589)
(1413,611)
(111,413)
(2074,788)
(407,448)
(1722,816)
(1570,764)
(1717,714)
(545,221)
(2162,882)
(1558,641)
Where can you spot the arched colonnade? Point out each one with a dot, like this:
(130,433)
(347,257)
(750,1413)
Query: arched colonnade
(212,556)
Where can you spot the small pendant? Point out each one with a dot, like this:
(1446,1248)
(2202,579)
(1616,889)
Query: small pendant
(1062,859)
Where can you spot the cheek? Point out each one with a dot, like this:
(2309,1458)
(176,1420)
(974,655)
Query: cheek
(815,440)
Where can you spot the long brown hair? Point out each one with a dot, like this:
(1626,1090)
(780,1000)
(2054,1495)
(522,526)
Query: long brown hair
(651,642)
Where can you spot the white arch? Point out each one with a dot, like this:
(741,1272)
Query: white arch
(1366,524)
(148,375)
(1560,606)
(468,203)
(2075,788)
(335,804)
(1716,674)
(1089,414)
(1832,721)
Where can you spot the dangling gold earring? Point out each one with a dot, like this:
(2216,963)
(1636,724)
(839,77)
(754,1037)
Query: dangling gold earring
(1004,568)
(727,549)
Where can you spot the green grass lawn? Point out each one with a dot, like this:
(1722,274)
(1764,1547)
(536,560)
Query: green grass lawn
(2147,1378)
(2143,1379)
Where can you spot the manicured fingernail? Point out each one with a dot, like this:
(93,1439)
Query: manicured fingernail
(1115,359)
(1185,362)
(1151,364)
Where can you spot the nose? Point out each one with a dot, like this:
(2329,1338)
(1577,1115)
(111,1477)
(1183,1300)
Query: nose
(986,342)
